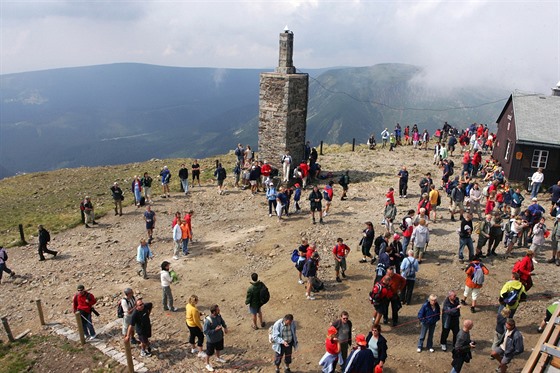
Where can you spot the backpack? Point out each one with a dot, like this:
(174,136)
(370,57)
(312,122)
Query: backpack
(377,243)
(120,311)
(264,294)
(375,293)
(341,180)
(478,274)
(404,225)
(274,172)
(270,331)
(510,298)
(408,271)
(438,199)
(295,255)
(477,227)
(300,263)
(326,195)
(223,173)
(449,187)
(317,285)
(4,254)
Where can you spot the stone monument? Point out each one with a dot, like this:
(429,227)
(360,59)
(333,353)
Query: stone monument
(283,108)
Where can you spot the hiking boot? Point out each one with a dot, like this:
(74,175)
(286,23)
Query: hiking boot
(453,218)
(314,222)
(343,274)
(220,360)
(473,310)
(87,226)
(373,260)
(55,254)
(209,368)
(463,302)
(551,260)
(321,221)
(338,279)
(444,348)
(363,260)
(12,274)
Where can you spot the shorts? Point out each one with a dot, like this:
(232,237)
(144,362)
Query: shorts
(419,251)
(220,182)
(254,311)
(143,339)
(150,225)
(501,352)
(473,292)
(456,205)
(340,265)
(211,347)
(147,191)
(316,207)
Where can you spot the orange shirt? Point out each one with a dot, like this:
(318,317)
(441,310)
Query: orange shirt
(185,231)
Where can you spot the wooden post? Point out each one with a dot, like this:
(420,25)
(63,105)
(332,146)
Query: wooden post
(353,143)
(7,328)
(80,327)
(21,234)
(40,310)
(128,353)
(321,148)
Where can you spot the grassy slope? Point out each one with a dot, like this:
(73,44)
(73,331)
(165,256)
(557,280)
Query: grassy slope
(53,198)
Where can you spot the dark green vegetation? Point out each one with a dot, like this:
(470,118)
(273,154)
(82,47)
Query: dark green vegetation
(121,113)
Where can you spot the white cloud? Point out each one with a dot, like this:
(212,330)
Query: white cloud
(508,43)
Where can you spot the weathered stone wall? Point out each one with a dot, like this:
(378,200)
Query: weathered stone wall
(282,116)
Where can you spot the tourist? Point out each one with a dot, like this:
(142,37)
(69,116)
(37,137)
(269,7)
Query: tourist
(428,315)
(141,323)
(128,305)
(165,175)
(83,302)
(214,328)
(44,239)
(284,341)
(195,327)
(143,254)
(378,345)
(450,316)
(340,252)
(343,327)
(474,280)
(462,351)
(509,346)
(3,265)
(166,280)
(254,301)
(315,198)
(118,197)
(150,219)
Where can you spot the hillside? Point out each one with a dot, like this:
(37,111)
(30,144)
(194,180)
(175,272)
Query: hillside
(234,237)
(122,113)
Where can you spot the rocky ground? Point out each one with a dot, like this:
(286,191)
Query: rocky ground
(233,238)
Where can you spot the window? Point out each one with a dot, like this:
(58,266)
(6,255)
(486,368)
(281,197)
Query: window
(508,151)
(540,158)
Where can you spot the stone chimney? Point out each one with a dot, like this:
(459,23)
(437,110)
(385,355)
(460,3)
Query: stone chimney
(283,100)
(556,91)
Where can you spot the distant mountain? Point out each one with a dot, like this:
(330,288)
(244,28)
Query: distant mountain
(120,113)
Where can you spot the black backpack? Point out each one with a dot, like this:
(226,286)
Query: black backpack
(264,294)
(120,311)
(377,243)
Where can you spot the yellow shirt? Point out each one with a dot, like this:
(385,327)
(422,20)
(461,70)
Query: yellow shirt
(433,197)
(193,316)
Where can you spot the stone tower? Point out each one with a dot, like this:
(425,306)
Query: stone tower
(283,108)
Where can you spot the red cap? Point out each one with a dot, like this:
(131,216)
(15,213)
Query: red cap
(297,185)
(332,330)
(361,340)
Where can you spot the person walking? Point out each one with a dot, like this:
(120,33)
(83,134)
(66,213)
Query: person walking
(147,186)
(214,328)
(195,327)
(89,213)
(465,238)
(83,302)
(340,252)
(344,181)
(450,319)
(366,242)
(141,324)
(118,197)
(184,178)
(44,239)
(150,219)
(475,273)
(409,267)
(332,346)
(463,347)
(309,270)
(136,189)
(3,265)
(403,182)
(315,198)
(143,254)
(220,174)
(343,327)
(284,341)
(254,300)
(166,280)
(195,172)
(428,315)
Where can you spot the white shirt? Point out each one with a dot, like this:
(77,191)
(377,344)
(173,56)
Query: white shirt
(537,177)
(165,278)
(177,233)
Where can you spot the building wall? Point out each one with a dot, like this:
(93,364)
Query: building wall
(282,116)
(506,135)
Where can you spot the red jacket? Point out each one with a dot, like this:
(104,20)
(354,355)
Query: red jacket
(265,169)
(304,167)
(83,302)
(524,267)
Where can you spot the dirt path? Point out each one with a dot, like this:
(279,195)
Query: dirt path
(233,238)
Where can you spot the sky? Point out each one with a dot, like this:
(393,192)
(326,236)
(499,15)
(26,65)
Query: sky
(509,44)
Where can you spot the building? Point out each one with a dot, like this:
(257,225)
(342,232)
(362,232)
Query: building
(528,136)
(283,100)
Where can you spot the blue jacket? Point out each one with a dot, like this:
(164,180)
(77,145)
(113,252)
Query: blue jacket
(297,194)
(360,361)
(427,315)
(271,193)
(143,254)
(277,335)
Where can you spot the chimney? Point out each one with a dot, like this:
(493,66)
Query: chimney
(556,91)
(285,62)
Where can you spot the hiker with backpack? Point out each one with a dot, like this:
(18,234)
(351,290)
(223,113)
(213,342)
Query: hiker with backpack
(44,239)
(510,345)
(257,296)
(396,285)
(127,305)
(511,294)
(83,302)
(407,228)
(3,265)
(380,297)
(457,198)
(409,267)
(420,238)
(214,328)
(465,239)
(475,273)
(340,252)
(220,174)
(382,249)
(328,197)
(284,340)
(344,181)
(482,228)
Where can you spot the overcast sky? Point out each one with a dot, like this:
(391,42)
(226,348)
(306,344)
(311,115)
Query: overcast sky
(512,44)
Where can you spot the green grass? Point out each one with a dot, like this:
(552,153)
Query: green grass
(13,356)
(53,198)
